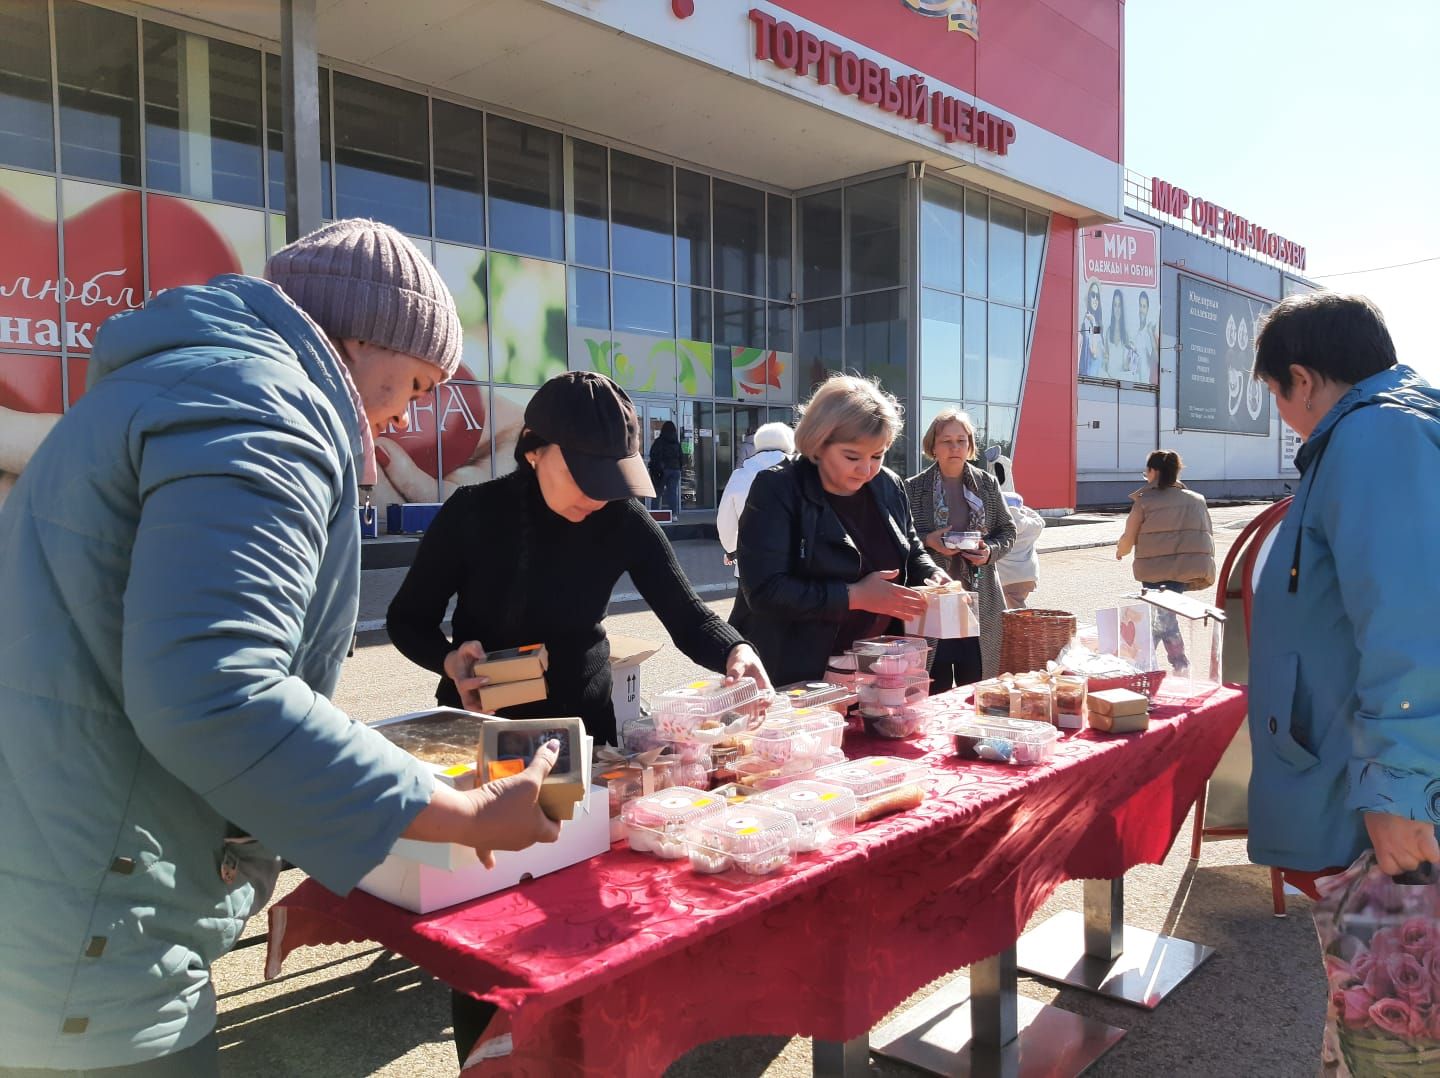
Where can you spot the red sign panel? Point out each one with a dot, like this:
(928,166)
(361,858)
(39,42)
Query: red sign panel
(1216,221)
(1120,254)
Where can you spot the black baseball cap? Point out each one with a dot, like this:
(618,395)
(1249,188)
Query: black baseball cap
(593,421)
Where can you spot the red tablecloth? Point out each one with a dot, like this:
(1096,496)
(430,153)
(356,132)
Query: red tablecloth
(621,964)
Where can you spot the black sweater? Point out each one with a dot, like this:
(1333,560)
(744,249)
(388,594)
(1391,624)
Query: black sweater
(525,575)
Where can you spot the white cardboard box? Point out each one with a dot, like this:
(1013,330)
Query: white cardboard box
(426,876)
(626,655)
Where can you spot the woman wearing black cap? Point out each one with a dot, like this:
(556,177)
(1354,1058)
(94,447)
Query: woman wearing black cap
(534,556)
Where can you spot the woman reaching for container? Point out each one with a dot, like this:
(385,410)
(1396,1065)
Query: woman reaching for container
(827,550)
(953,496)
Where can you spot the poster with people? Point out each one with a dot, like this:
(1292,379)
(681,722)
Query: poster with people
(1120,304)
(1217,352)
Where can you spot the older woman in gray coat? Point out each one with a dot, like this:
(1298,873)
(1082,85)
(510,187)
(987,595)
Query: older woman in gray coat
(956,495)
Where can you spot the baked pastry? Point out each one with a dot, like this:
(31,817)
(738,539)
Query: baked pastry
(897,800)
(443,740)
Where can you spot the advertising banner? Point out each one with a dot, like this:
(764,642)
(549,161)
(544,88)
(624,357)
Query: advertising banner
(1120,303)
(1214,390)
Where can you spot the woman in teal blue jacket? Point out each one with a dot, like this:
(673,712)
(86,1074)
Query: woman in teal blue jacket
(1344,653)
(180,567)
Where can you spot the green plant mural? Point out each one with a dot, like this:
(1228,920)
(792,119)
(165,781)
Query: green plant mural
(527,319)
(463,271)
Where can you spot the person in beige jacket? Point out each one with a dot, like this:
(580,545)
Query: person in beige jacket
(1170,532)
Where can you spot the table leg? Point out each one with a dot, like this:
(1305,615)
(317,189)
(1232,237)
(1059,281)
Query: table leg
(979,1026)
(842,1059)
(1097,951)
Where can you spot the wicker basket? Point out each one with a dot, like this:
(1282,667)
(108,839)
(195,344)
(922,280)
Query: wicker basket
(1146,683)
(1031,638)
(1369,1056)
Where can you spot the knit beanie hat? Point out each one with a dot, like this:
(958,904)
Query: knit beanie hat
(363,279)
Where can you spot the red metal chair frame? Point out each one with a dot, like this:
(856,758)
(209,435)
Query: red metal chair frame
(1247,546)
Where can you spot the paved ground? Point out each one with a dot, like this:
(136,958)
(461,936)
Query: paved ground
(1254,1009)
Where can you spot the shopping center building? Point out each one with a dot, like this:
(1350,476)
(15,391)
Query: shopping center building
(713,202)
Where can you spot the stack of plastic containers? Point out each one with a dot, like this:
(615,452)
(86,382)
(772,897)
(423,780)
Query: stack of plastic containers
(696,718)
(1004,740)
(803,694)
(891,678)
(790,744)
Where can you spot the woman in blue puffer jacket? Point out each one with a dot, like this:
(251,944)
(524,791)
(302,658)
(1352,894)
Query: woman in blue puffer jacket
(1344,656)
(180,564)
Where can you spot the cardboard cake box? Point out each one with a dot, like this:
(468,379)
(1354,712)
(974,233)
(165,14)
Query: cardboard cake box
(426,876)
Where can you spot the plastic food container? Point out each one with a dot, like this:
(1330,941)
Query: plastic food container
(966,541)
(824,811)
(892,690)
(656,824)
(891,655)
(1034,701)
(802,694)
(708,710)
(758,773)
(992,697)
(756,839)
(1005,741)
(798,734)
(895,723)
(1070,693)
(881,784)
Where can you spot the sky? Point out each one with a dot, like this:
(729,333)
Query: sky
(1318,120)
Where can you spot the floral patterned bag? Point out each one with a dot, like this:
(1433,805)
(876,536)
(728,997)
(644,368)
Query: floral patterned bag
(1380,937)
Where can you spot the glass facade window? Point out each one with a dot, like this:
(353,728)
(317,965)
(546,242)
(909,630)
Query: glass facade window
(642,228)
(780,212)
(821,244)
(739,323)
(942,224)
(977,351)
(874,233)
(780,328)
(1007,353)
(27,135)
(98,63)
(458,135)
(589,299)
(644,307)
(527,188)
(692,227)
(942,344)
(202,117)
(274,121)
(590,190)
(692,315)
(739,238)
(977,224)
(382,154)
(1007,252)
(876,342)
(1037,226)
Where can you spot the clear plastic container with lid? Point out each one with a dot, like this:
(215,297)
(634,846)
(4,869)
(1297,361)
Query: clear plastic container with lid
(758,773)
(837,698)
(756,839)
(892,690)
(656,824)
(1005,741)
(800,733)
(708,710)
(880,784)
(891,655)
(824,811)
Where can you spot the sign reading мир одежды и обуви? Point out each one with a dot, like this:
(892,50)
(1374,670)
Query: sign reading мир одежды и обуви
(1214,220)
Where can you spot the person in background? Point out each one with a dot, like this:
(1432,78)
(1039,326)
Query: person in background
(953,495)
(1344,691)
(533,557)
(828,554)
(667,461)
(181,569)
(1019,570)
(1170,532)
(774,443)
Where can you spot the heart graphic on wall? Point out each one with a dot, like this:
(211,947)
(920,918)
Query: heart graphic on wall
(103,254)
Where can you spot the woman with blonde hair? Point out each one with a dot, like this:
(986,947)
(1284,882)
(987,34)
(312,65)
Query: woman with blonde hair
(952,496)
(827,551)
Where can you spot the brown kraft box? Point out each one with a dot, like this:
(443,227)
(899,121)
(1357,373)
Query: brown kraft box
(514,664)
(511,693)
